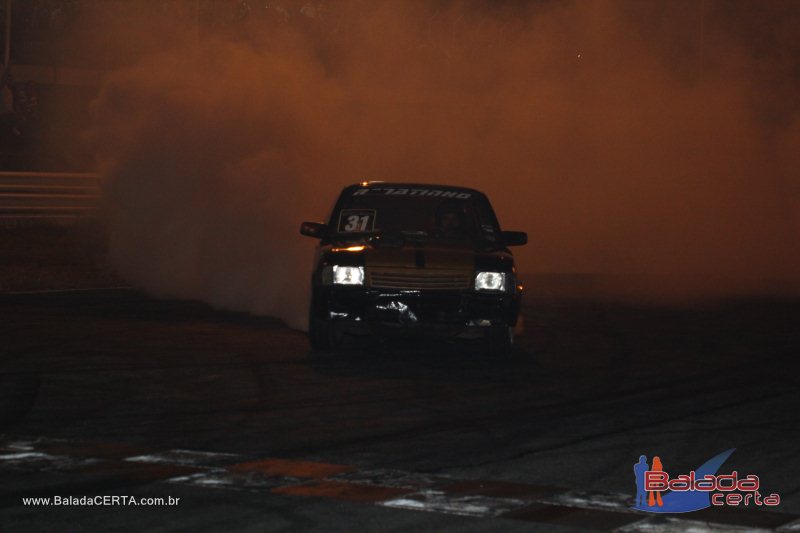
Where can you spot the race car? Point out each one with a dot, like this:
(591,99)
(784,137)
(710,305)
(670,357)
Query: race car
(413,259)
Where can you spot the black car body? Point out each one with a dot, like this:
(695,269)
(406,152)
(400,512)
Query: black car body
(401,258)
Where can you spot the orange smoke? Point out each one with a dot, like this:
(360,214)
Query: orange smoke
(590,125)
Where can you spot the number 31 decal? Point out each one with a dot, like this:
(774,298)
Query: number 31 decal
(356,220)
(357,223)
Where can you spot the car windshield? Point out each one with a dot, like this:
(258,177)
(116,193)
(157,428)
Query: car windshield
(415,213)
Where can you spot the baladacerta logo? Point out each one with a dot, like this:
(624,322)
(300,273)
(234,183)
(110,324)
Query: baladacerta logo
(657,492)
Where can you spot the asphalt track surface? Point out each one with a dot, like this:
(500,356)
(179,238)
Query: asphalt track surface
(113,393)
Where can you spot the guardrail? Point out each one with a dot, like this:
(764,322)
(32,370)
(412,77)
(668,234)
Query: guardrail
(48,195)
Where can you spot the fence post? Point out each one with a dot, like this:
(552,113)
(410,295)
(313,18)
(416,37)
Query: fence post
(7,37)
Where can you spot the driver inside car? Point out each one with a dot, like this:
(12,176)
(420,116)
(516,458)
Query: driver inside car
(449,221)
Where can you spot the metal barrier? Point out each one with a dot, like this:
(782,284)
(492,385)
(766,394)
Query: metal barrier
(48,195)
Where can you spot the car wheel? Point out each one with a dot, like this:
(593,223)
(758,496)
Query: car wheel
(323,335)
(499,340)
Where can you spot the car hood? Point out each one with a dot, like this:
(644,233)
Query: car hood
(420,256)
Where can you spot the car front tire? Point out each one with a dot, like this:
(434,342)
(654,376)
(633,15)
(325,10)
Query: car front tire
(499,340)
(323,335)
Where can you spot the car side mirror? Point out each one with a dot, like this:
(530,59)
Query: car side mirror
(515,238)
(313,229)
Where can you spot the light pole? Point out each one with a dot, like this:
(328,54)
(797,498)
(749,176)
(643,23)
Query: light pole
(7,37)
(702,35)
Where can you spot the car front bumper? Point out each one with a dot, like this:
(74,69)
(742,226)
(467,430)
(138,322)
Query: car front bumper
(369,311)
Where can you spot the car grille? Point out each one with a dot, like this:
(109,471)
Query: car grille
(420,279)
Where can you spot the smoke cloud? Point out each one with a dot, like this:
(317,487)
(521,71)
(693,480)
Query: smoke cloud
(649,144)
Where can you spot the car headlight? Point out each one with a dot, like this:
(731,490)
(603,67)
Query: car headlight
(348,275)
(490,281)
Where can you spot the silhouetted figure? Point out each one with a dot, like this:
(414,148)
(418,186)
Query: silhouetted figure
(30,103)
(9,104)
(243,10)
(7,101)
(26,107)
(655,496)
(639,470)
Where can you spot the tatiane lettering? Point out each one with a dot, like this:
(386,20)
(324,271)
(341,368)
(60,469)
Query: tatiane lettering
(389,191)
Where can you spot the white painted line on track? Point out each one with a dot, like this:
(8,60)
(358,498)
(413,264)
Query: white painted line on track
(20,445)
(591,500)
(668,524)
(791,526)
(43,461)
(185,458)
(24,456)
(440,502)
(220,478)
(214,478)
